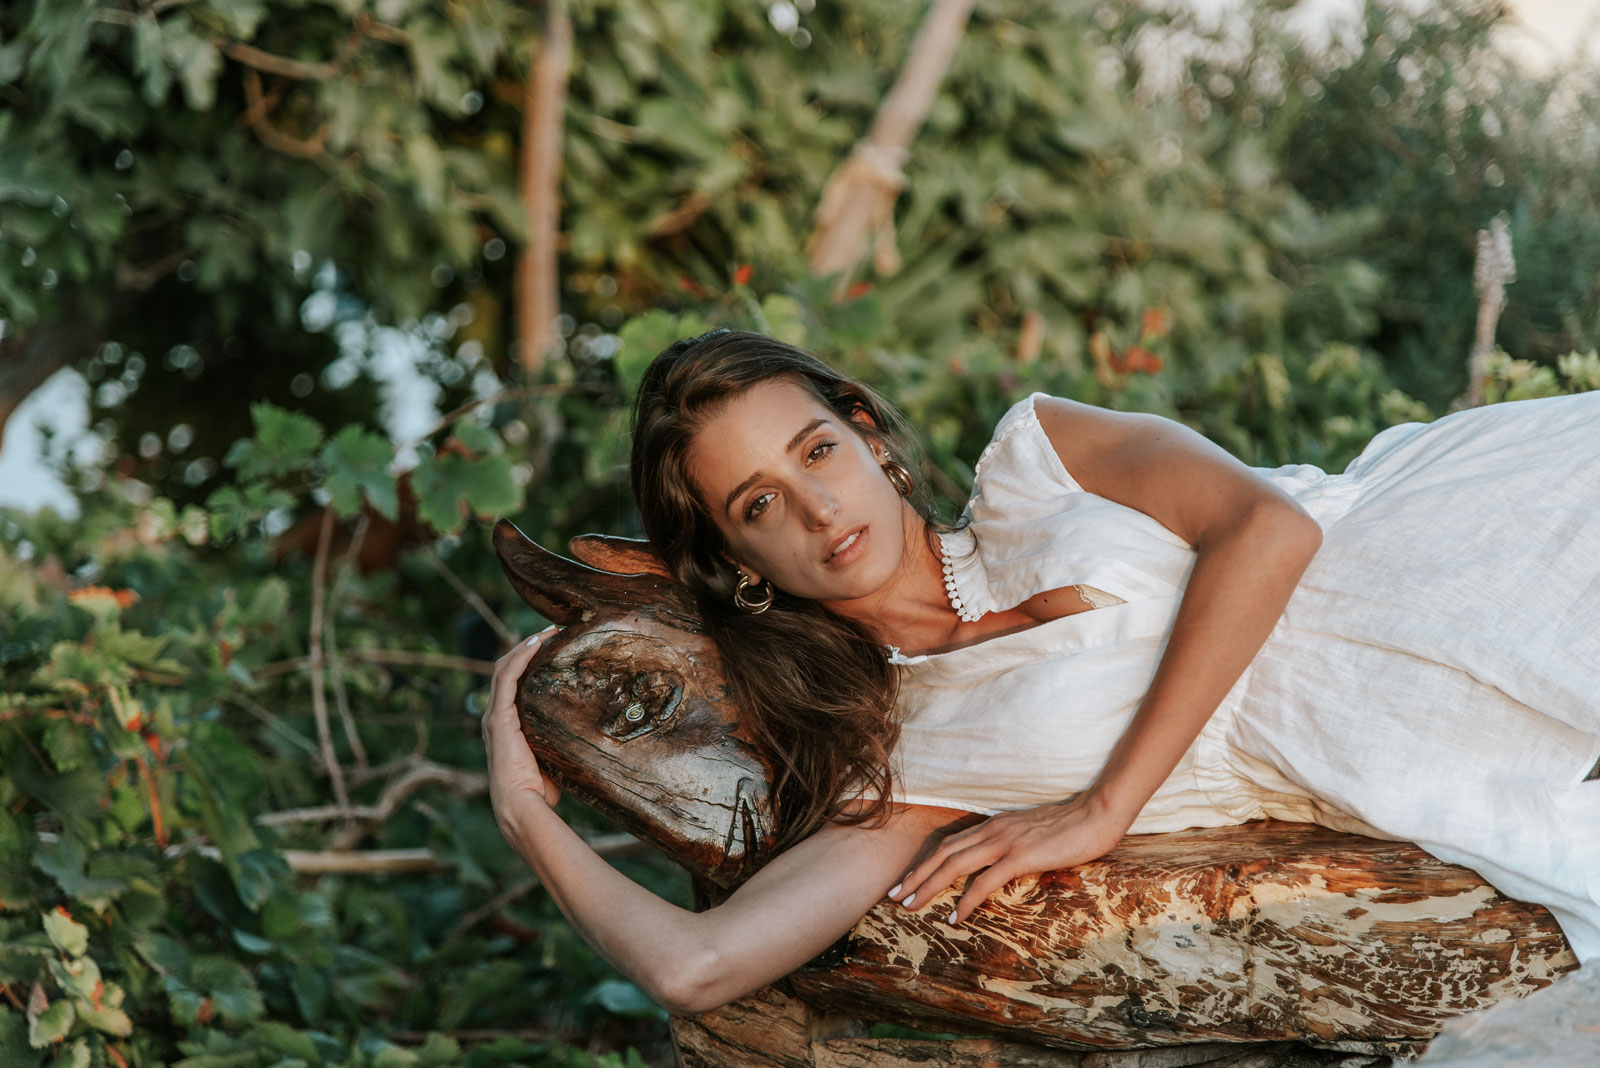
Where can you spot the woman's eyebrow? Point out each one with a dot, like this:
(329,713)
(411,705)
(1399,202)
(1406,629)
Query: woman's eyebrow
(794,443)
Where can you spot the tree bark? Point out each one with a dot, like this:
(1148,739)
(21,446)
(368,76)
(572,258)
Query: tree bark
(544,103)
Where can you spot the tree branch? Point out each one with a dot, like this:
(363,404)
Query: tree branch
(255,116)
(319,700)
(335,661)
(468,594)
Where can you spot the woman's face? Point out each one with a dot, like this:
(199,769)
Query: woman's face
(800,496)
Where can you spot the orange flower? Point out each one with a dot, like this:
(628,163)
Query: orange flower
(858,289)
(1153,325)
(741,274)
(1137,358)
(124,598)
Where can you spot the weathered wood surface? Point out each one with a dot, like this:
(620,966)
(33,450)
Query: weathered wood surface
(1266,932)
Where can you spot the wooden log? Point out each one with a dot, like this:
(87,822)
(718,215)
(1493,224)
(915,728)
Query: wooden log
(1269,931)
(772,1028)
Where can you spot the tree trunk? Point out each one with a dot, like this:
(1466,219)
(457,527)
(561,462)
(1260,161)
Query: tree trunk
(544,103)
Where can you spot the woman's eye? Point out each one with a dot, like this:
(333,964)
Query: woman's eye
(759,505)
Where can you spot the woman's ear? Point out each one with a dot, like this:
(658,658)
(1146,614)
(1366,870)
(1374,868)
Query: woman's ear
(748,572)
(873,437)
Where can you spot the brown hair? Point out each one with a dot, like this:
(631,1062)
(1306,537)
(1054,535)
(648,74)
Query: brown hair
(817,686)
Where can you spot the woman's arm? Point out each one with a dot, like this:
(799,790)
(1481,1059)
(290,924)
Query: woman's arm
(1252,543)
(787,913)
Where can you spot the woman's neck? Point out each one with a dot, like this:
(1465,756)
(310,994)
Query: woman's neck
(911,610)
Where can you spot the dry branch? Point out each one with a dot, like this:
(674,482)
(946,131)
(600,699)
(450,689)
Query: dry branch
(468,594)
(255,116)
(368,862)
(314,662)
(425,773)
(858,200)
(335,662)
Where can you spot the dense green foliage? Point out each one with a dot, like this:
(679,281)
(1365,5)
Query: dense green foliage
(1275,247)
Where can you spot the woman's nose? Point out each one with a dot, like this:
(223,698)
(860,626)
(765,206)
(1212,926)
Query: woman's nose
(819,508)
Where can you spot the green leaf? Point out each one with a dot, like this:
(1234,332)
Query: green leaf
(111,1020)
(449,485)
(15,1051)
(66,933)
(357,463)
(624,999)
(165,954)
(284,442)
(149,60)
(241,17)
(68,744)
(51,1025)
(786,319)
(286,1040)
(76,1055)
(197,61)
(230,987)
(476,437)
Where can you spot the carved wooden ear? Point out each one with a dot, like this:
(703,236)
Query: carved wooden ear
(567,592)
(621,556)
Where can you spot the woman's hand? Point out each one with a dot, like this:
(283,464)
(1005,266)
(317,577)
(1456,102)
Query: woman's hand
(1011,844)
(513,772)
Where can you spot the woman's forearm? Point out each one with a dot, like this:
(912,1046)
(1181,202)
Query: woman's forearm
(788,912)
(649,939)
(1242,578)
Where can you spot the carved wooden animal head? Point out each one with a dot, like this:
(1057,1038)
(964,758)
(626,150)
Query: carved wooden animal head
(627,709)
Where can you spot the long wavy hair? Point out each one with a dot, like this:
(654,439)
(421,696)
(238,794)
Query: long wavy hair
(817,686)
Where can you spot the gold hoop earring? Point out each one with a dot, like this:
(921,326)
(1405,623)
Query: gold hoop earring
(897,474)
(751,605)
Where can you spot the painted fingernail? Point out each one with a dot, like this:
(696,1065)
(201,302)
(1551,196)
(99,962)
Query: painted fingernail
(894,891)
(533,640)
(952,917)
(909,899)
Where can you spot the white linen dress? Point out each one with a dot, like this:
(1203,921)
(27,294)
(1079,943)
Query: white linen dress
(1435,677)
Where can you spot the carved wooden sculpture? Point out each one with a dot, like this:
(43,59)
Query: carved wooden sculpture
(1264,932)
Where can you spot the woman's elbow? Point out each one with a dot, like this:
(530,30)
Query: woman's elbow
(690,983)
(1293,534)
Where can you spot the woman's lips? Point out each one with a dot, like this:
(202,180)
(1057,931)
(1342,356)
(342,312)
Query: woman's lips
(850,552)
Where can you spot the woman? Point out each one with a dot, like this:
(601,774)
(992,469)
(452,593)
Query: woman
(1133,631)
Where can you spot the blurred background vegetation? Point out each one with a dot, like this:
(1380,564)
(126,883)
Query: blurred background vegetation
(242,819)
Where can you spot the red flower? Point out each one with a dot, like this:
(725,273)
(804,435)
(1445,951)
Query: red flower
(741,274)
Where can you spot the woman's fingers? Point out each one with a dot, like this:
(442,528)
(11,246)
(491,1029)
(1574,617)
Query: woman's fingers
(958,855)
(986,883)
(1004,847)
(512,767)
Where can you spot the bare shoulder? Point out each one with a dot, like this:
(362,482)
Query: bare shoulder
(1085,432)
(1156,465)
